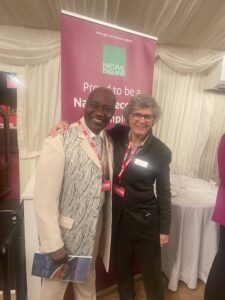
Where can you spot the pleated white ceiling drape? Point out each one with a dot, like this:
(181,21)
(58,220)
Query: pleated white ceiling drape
(192,122)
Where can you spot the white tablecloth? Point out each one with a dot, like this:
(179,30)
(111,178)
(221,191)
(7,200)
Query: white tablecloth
(193,236)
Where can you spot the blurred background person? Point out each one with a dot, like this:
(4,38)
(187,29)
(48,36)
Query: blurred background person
(215,285)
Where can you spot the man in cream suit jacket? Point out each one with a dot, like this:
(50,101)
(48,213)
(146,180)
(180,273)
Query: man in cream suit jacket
(73,194)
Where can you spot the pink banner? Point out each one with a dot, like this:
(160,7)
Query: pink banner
(99,54)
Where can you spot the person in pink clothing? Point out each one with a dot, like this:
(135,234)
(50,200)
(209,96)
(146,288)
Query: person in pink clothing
(215,285)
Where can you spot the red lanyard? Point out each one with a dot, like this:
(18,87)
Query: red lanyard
(93,145)
(126,162)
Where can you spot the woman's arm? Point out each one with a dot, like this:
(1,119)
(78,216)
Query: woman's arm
(60,127)
(164,195)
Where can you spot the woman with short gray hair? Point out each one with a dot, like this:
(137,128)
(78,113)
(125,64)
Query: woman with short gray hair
(142,101)
(141,217)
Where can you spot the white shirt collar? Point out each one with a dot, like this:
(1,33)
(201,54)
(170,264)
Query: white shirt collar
(91,133)
(143,142)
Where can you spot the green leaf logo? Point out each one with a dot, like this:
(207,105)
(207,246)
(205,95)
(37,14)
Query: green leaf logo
(114,60)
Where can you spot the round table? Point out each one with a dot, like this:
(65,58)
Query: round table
(193,236)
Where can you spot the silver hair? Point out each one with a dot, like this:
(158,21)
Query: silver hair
(142,101)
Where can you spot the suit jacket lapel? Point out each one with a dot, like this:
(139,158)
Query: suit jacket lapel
(88,149)
(90,152)
(147,144)
(110,155)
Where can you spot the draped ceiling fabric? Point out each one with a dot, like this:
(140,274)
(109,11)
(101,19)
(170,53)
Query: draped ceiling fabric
(191,43)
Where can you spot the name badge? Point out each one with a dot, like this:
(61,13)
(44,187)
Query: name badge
(106,186)
(141,163)
(119,190)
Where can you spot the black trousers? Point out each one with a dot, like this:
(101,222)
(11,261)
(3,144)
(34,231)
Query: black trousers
(215,285)
(149,256)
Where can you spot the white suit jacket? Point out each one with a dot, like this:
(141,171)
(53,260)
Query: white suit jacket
(67,195)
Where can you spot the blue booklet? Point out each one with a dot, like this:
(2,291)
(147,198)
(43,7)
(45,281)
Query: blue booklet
(75,270)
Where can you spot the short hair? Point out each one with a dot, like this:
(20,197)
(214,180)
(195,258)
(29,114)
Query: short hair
(103,90)
(142,101)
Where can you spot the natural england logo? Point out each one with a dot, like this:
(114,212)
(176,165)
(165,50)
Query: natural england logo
(114,60)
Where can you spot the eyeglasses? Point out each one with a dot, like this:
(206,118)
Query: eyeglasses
(139,116)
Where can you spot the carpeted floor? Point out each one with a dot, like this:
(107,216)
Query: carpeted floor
(183,293)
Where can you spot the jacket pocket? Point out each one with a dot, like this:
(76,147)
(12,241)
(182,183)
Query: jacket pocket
(66,222)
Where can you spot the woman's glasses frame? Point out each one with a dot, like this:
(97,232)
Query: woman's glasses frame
(138,116)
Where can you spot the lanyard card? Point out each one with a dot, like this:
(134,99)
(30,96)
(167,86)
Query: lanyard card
(119,190)
(106,185)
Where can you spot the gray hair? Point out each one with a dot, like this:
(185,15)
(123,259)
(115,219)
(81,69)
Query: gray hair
(142,101)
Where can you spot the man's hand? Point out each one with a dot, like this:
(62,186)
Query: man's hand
(164,239)
(59,256)
(60,127)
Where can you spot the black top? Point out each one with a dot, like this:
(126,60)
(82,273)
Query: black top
(142,213)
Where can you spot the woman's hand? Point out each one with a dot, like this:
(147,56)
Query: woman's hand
(60,127)
(164,239)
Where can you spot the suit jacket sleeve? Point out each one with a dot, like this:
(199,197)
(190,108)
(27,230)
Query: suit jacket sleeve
(48,184)
(221,160)
(164,195)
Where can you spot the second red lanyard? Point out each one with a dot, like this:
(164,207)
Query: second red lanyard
(126,160)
